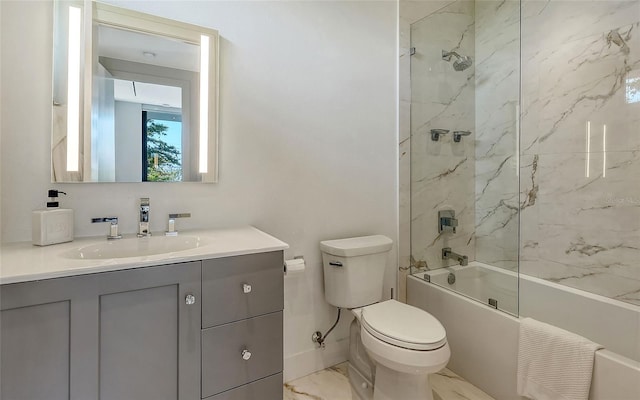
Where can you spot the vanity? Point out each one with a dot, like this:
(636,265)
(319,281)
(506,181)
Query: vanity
(197,323)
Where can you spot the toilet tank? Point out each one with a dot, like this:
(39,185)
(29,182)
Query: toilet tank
(354,270)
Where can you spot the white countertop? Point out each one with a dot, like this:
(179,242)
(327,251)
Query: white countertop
(22,262)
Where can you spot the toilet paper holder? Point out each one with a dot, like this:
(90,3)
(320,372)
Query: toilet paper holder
(296,261)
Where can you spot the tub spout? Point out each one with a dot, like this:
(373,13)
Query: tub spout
(448,254)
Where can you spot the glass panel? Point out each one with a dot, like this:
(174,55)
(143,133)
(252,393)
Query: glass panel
(465,73)
(580,169)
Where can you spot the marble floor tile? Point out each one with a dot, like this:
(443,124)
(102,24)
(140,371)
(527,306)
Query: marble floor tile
(333,384)
(329,384)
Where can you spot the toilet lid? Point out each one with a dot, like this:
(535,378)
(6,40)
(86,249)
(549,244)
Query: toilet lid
(403,325)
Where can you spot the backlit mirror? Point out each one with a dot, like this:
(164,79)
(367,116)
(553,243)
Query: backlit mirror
(134,97)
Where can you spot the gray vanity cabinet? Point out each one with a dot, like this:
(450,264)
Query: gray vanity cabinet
(109,336)
(206,329)
(242,303)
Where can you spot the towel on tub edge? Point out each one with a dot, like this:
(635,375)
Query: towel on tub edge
(553,364)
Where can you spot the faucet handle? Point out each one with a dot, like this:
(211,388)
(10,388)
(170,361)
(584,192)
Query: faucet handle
(113,229)
(172,223)
(447,220)
(435,133)
(457,135)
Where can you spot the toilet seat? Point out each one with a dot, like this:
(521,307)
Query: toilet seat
(403,325)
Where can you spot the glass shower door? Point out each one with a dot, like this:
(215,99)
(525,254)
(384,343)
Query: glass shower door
(465,75)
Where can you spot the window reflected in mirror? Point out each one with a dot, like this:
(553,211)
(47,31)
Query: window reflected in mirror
(162,147)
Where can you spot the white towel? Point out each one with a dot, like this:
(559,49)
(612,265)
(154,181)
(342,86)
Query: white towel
(553,364)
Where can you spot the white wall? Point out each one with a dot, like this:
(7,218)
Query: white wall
(308,138)
(128,143)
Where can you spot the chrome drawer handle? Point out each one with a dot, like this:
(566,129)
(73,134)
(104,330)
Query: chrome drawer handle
(335,263)
(246,354)
(190,299)
(246,288)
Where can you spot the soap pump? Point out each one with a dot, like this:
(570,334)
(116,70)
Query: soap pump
(53,224)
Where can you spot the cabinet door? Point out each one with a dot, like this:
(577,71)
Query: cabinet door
(148,334)
(35,352)
(130,335)
(39,358)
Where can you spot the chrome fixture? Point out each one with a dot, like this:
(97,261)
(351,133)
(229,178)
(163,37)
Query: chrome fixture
(143,223)
(435,133)
(113,228)
(319,338)
(457,135)
(461,63)
(172,223)
(447,220)
(493,303)
(448,254)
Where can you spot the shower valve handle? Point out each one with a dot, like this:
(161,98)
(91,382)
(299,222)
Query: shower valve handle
(457,135)
(436,133)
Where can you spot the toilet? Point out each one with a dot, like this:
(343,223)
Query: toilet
(393,346)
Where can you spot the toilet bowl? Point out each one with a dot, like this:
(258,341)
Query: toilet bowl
(404,338)
(403,344)
(406,344)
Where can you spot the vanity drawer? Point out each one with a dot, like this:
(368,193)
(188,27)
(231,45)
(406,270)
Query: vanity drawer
(225,298)
(269,388)
(223,364)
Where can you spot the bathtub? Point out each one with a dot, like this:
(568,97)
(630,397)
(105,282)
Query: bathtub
(484,340)
(493,286)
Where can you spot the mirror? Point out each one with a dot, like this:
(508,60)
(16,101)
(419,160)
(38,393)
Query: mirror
(134,97)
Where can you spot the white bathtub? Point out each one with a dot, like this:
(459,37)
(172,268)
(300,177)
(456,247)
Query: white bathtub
(481,282)
(484,341)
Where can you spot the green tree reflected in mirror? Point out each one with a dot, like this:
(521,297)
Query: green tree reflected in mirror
(163,159)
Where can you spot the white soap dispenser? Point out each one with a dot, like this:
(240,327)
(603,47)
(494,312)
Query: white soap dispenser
(52,225)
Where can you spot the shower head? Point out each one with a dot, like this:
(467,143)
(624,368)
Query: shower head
(461,63)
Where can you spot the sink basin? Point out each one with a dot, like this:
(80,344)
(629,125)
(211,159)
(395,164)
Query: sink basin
(134,247)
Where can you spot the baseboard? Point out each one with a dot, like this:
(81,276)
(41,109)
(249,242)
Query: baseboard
(310,361)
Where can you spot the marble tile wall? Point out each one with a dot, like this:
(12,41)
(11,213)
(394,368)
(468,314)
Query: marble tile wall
(497,57)
(580,145)
(580,73)
(442,172)
(410,12)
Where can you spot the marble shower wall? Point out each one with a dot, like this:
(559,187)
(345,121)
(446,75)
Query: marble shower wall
(497,83)
(442,172)
(410,12)
(580,76)
(580,145)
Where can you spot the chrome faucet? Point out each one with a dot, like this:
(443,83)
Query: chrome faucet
(143,223)
(113,229)
(448,254)
(172,223)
